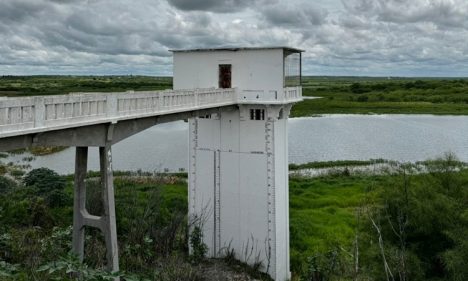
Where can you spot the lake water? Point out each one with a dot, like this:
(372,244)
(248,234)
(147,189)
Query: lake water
(405,138)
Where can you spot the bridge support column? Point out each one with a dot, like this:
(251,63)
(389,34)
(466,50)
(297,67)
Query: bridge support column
(81,217)
(79,204)
(109,222)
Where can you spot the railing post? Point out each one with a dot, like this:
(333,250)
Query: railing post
(236,95)
(111,105)
(158,102)
(39,112)
(195,93)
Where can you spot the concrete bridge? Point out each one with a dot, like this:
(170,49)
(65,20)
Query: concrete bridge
(80,118)
(238,146)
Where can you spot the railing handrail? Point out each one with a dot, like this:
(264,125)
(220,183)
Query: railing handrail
(29,113)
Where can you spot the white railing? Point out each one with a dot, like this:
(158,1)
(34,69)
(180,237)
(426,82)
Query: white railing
(290,94)
(30,114)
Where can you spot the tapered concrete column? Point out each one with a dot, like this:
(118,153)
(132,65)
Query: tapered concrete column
(81,218)
(109,228)
(79,204)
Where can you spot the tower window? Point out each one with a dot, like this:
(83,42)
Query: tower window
(257,114)
(224,76)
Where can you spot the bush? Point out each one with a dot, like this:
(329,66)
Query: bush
(422,219)
(363,98)
(358,88)
(6,184)
(45,180)
(57,198)
(199,248)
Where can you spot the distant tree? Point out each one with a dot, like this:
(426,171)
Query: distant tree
(358,88)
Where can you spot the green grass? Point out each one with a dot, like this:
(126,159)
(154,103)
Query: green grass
(365,95)
(323,215)
(324,106)
(332,164)
(56,85)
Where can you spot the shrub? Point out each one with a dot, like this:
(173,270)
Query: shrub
(45,180)
(6,184)
(363,98)
(358,88)
(199,248)
(57,198)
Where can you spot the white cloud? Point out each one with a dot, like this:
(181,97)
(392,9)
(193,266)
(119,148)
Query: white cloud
(352,37)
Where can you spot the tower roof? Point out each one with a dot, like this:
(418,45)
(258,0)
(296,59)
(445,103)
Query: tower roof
(235,49)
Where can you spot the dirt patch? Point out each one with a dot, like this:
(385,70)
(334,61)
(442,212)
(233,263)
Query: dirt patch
(218,270)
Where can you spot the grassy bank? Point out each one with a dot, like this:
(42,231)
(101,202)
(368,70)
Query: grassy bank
(39,150)
(323,217)
(334,164)
(337,221)
(354,95)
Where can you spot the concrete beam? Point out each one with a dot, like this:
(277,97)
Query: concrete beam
(96,135)
(110,226)
(12,143)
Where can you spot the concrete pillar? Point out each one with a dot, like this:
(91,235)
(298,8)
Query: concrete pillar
(79,204)
(81,218)
(109,228)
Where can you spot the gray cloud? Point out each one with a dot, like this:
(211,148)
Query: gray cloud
(444,14)
(294,16)
(353,37)
(220,6)
(17,11)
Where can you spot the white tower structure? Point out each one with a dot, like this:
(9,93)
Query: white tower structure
(238,158)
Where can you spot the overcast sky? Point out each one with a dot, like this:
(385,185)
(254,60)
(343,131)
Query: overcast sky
(355,37)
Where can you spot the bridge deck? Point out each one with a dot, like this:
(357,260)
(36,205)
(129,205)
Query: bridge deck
(28,115)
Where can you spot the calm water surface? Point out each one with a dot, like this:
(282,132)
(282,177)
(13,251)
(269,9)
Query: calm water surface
(330,137)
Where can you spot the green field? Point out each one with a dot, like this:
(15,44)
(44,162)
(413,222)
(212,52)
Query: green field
(361,95)
(59,85)
(350,95)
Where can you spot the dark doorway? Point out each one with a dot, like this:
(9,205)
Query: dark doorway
(224,76)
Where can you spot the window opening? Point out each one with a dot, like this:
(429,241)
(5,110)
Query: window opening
(257,114)
(224,76)
(292,69)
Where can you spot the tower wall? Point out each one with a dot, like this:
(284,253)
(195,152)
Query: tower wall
(253,70)
(238,185)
